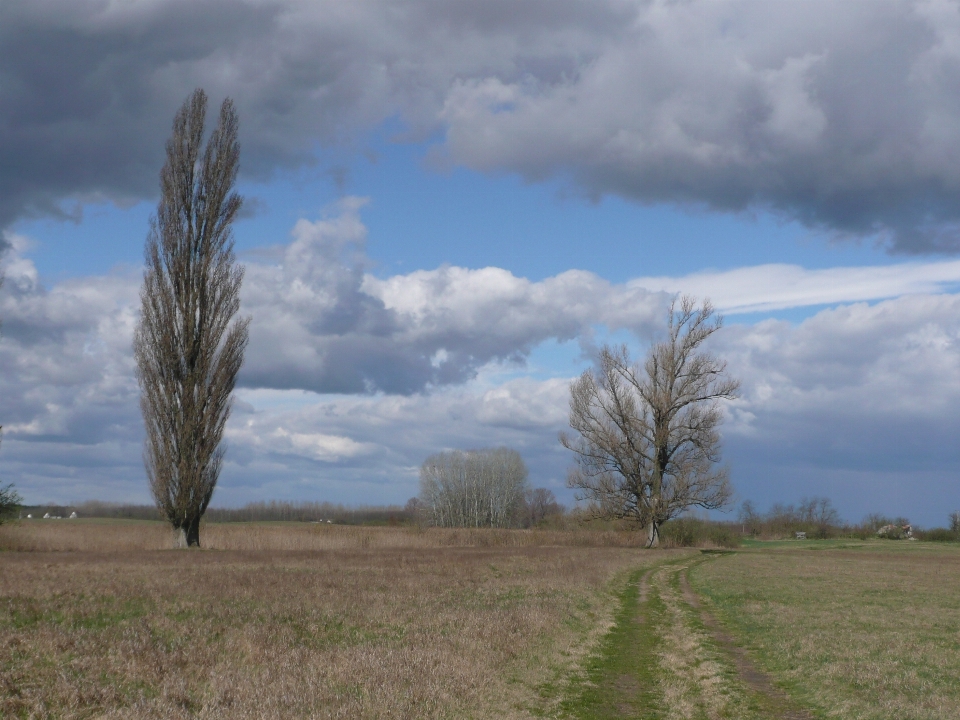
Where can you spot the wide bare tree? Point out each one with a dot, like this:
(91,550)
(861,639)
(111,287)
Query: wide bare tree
(188,346)
(647,439)
(478,488)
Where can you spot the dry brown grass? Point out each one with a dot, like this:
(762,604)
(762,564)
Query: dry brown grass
(298,621)
(693,683)
(124,535)
(84,535)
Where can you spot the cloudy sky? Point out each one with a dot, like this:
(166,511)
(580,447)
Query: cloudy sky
(450,205)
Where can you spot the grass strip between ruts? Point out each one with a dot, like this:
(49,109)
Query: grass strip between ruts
(621,679)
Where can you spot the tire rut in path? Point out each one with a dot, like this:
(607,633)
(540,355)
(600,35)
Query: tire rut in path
(757,680)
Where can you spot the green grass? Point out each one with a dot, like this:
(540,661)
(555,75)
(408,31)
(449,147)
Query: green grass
(620,679)
(853,629)
(849,628)
(659,661)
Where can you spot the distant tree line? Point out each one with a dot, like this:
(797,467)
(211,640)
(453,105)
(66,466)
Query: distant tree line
(539,506)
(273,511)
(312,512)
(820,520)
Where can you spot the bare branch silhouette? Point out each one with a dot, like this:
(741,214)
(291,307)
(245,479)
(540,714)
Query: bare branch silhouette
(647,438)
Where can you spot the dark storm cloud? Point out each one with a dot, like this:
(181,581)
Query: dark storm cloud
(844,116)
(87,92)
(88,88)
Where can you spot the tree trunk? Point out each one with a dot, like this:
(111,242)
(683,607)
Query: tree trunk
(653,534)
(188,535)
(193,532)
(179,538)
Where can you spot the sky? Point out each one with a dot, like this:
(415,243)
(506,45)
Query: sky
(451,206)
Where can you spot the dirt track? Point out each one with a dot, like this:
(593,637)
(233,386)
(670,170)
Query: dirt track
(672,660)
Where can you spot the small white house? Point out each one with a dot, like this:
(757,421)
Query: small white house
(73,515)
(46,516)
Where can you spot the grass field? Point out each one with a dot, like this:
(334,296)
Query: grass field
(850,629)
(98,535)
(304,622)
(662,662)
(293,620)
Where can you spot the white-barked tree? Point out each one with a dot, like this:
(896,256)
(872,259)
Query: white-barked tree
(476,488)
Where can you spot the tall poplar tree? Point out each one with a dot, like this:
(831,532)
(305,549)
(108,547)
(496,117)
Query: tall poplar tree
(188,346)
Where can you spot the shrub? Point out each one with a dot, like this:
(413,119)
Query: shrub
(722,535)
(861,532)
(694,532)
(938,535)
(682,532)
(10,501)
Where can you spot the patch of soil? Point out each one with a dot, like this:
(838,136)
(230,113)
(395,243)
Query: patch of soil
(627,689)
(643,586)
